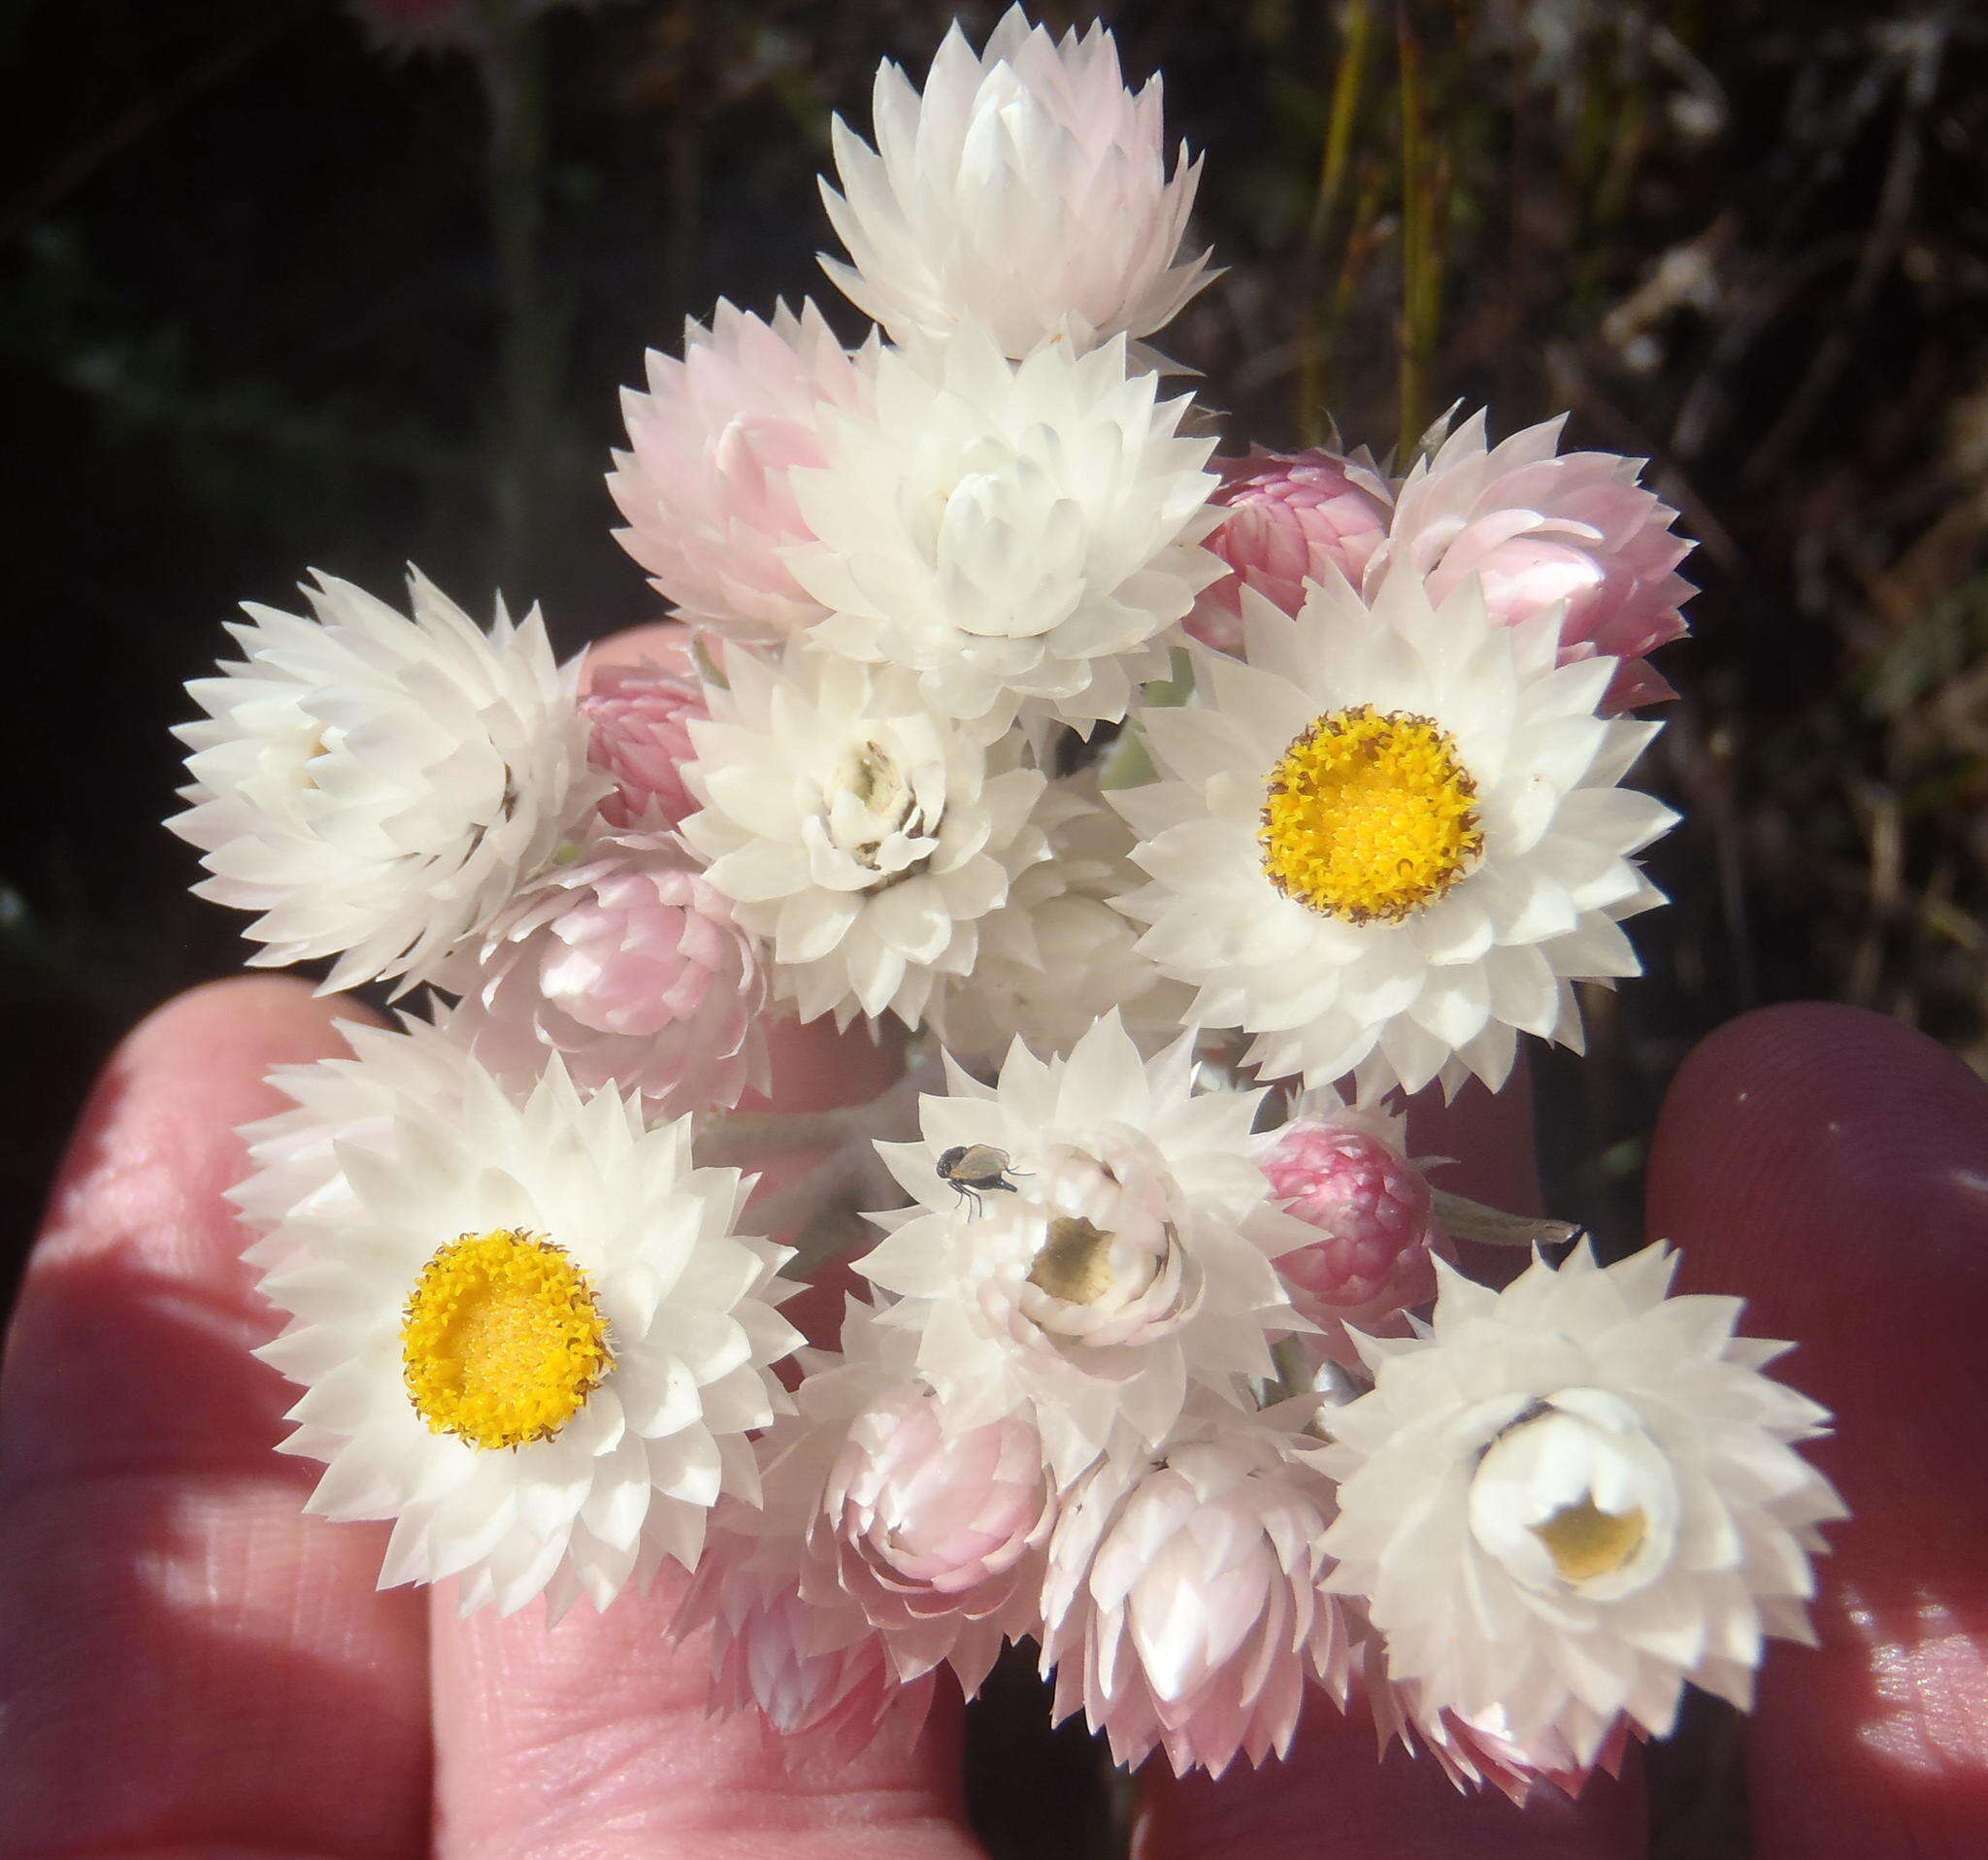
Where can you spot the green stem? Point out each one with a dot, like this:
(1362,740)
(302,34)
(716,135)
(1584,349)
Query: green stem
(1418,299)
(745,1139)
(511,69)
(1327,211)
(1462,1218)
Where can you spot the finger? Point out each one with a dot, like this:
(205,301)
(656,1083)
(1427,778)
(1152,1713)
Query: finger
(1833,1167)
(187,1664)
(1383,1810)
(592,1737)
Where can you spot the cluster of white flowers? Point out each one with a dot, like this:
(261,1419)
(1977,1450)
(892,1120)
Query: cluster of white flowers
(1162,795)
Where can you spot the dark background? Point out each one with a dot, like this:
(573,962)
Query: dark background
(276,293)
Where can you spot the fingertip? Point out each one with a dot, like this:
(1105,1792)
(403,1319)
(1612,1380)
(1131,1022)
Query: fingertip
(1830,1166)
(173,1629)
(137,1289)
(161,1121)
(239,1011)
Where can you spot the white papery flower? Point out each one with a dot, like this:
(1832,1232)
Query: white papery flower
(1057,957)
(527,1331)
(1121,1259)
(378,785)
(1474,1753)
(1573,1495)
(1009,531)
(764,1641)
(1026,193)
(1183,1601)
(1393,839)
(705,484)
(892,1522)
(863,836)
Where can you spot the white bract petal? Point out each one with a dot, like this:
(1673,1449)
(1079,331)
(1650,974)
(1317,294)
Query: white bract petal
(1091,1243)
(377,785)
(1026,191)
(528,1331)
(1057,957)
(1010,532)
(1567,1499)
(1182,1605)
(864,837)
(1391,842)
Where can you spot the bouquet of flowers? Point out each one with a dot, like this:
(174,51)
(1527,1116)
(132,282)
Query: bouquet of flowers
(1178,815)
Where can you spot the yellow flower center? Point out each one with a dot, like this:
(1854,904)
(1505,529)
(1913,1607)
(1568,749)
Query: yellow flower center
(1585,1541)
(1370,815)
(502,1341)
(1074,1263)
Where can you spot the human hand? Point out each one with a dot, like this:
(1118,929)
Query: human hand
(190,1665)
(1831,1167)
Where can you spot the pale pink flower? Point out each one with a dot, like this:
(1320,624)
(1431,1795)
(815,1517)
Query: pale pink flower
(1290,517)
(1344,1175)
(766,1653)
(1473,1752)
(1538,528)
(1182,1603)
(627,964)
(1026,193)
(640,717)
(934,1532)
(705,484)
(894,1526)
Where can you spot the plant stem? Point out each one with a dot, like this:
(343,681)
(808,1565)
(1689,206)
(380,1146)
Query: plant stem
(1418,298)
(820,1214)
(509,67)
(1327,211)
(745,1139)
(1462,1218)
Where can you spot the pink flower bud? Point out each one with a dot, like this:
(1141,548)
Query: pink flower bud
(1539,528)
(934,1534)
(774,1655)
(1182,1603)
(933,1516)
(1372,1209)
(629,966)
(641,717)
(1290,517)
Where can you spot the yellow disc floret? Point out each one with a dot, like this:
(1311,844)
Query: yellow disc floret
(1584,1540)
(502,1341)
(1369,815)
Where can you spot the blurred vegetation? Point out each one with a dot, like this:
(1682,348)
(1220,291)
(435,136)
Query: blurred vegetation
(274,295)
